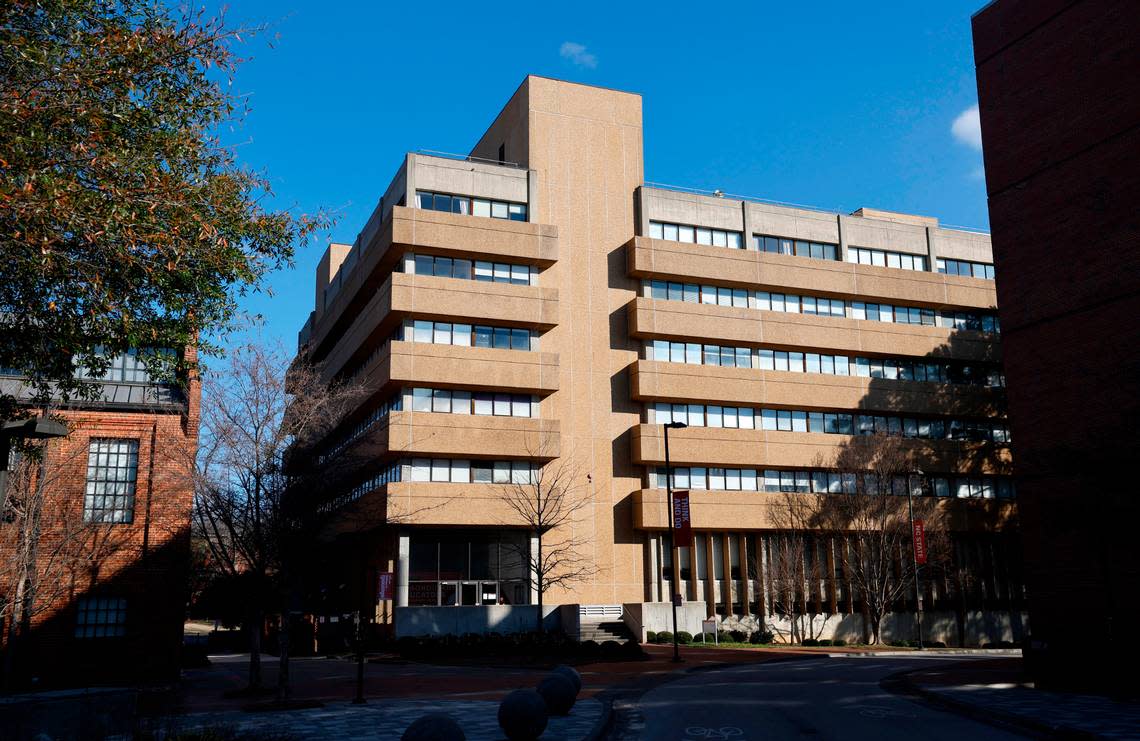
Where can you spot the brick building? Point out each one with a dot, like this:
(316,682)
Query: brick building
(114,548)
(1060,120)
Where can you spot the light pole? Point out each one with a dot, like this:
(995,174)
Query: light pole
(914,556)
(675,597)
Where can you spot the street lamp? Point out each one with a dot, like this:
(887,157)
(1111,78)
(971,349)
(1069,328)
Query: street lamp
(675,597)
(38,428)
(914,556)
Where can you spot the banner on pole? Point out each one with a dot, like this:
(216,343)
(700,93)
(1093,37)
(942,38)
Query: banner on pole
(682,522)
(919,543)
(387,582)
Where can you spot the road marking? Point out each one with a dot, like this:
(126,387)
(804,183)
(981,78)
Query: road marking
(724,732)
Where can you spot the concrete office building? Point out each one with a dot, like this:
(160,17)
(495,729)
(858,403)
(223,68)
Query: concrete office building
(1061,127)
(537,301)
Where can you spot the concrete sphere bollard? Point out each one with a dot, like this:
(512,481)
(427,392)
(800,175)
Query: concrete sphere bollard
(434,727)
(523,715)
(570,673)
(558,693)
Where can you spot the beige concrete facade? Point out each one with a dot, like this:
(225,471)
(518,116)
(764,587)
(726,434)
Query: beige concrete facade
(573,156)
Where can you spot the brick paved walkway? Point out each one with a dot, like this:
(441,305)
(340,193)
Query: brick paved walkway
(998,688)
(384,720)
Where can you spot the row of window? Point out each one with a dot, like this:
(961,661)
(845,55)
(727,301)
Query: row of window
(831,482)
(834,423)
(391,473)
(455,471)
(894,369)
(694,353)
(473,206)
(793,304)
(966,268)
(481,270)
(386,407)
(797,247)
(126,367)
(885,258)
(449,401)
(466,335)
(696,235)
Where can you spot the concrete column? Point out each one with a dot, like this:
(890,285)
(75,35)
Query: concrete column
(832,604)
(641,212)
(762,583)
(842,238)
(931,255)
(410,180)
(653,567)
(403,556)
(747,221)
(533,557)
(745,582)
(710,576)
(726,554)
(532,196)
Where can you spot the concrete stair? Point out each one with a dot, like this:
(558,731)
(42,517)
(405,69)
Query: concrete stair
(605,630)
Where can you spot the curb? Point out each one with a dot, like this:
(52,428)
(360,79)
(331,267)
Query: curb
(902,684)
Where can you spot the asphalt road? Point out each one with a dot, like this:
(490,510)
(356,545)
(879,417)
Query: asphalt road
(831,698)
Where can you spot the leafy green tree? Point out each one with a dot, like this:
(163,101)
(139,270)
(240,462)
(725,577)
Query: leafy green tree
(125,222)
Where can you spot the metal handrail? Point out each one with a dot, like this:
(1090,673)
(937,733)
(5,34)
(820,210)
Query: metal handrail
(468,158)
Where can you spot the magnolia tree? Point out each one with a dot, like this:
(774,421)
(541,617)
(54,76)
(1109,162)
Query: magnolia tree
(125,220)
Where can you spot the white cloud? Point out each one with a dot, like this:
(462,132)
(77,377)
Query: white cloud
(577,55)
(967,128)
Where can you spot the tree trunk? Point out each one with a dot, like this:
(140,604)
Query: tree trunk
(255,625)
(283,688)
(538,581)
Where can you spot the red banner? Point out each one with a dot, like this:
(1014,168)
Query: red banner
(387,585)
(682,522)
(919,543)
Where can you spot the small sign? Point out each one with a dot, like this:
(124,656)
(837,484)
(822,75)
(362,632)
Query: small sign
(919,535)
(709,626)
(387,585)
(682,521)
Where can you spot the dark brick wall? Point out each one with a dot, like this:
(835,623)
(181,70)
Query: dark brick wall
(1060,119)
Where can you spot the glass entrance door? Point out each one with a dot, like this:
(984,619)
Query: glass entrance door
(470,592)
(449,593)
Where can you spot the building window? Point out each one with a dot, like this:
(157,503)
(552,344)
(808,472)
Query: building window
(101,617)
(467,205)
(983,270)
(796,247)
(112,469)
(480,270)
(464,335)
(696,235)
(885,259)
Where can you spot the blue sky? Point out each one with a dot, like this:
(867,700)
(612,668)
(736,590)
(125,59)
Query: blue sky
(827,104)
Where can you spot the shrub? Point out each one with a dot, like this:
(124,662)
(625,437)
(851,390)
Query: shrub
(588,647)
(762,636)
(838,642)
(936,644)
(722,636)
(194,656)
(738,636)
(809,642)
(610,649)
(897,643)
(651,636)
(632,649)
(684,637)
(1006,644)
(665,636)
(825,642)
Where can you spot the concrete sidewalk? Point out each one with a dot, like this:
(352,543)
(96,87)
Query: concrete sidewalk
(996,690)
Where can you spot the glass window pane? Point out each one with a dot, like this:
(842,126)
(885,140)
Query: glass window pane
(686,234)
(671,232)
(499,210)
(655,230)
